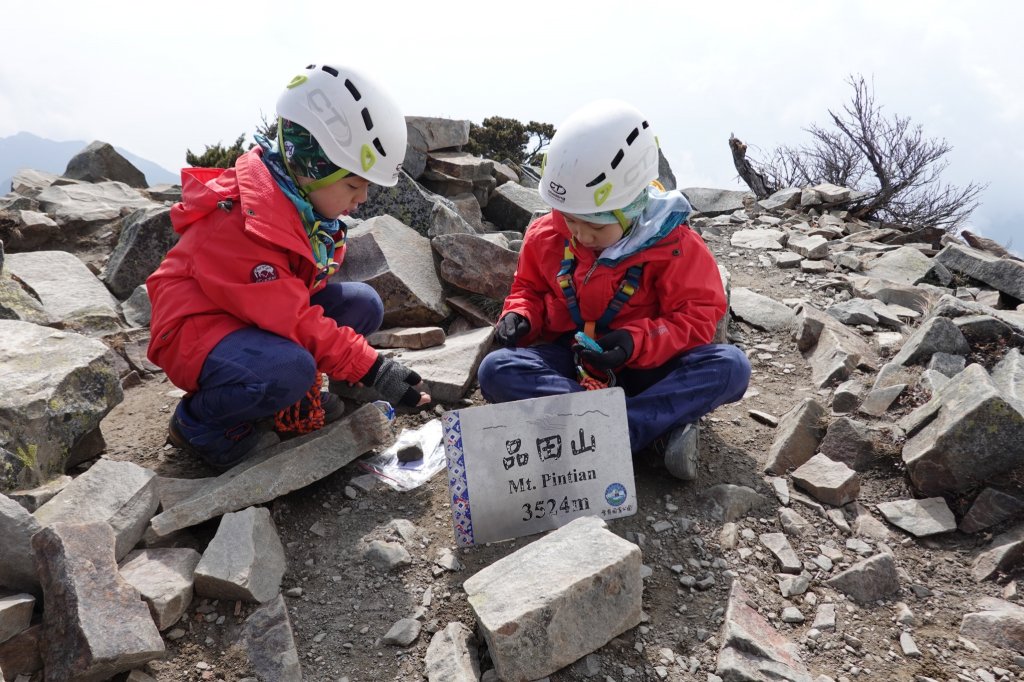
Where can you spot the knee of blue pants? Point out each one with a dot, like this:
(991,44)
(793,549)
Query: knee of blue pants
(490,372)
(352,304)
(739,372)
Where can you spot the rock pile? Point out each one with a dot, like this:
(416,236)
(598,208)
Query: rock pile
(912,346)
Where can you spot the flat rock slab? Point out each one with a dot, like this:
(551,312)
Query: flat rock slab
(244,561)
(530,604)
(413,338)
(94,623)
(905,265)
(281,469)
(122,494)
(761,239)
(828,481)
(920,518)
(752,649)
(999,623)
(164,577)
(778,545)
(761,311)
(268,640)
(869,580)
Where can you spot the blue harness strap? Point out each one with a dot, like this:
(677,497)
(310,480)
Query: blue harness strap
(629,285)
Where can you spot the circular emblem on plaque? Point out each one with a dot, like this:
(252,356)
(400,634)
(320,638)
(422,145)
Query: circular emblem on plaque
(615,494)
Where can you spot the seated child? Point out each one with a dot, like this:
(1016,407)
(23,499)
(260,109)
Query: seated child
(244,317)
(615,259)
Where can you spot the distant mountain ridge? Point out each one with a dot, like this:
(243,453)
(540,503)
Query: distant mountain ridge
(25,150)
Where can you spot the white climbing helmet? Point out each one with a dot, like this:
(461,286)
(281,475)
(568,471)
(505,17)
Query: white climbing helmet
(358,124)
(600,158)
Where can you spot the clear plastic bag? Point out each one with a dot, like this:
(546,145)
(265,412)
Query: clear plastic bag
(409,475)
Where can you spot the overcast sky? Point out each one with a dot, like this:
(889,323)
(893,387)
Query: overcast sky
(158,78)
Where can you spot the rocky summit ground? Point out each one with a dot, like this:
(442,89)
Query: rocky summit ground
(341,608)
(856,516)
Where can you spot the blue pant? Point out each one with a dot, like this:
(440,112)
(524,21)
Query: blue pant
(252,373)
(657,400)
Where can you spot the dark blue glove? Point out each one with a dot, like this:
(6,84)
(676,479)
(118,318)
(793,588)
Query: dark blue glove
(511,328)
(618,349)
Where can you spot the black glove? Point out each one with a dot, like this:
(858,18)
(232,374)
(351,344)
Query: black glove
(511,328)
(618,349)
(394,381)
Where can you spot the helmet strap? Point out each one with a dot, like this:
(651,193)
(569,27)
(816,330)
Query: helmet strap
(326,180)
(625,222)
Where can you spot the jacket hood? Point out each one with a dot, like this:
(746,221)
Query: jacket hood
(201,190)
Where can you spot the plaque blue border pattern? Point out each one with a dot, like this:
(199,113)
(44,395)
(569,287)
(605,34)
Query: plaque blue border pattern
(462,521)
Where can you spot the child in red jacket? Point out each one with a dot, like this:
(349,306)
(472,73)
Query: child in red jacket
(244,318)
(615,259)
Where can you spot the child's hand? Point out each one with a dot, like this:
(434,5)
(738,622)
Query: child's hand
(395,382)
(618,349)
(511,328)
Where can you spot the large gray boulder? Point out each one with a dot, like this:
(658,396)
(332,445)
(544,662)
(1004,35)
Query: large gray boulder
(398,262)
(68,291)
(77,207)
(145,238)
(94,623)
(99,162)
(969,433)
(1004,274)
(530,605)
(476,264)
(420,209)
(514,207)
(55,388)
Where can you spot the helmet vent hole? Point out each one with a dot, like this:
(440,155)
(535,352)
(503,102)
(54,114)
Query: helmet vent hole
(367,120)
(645,125)
(310,66)
(617,160)
(632,136)
(352,88)
(329,69)
(378,145)
(599,179)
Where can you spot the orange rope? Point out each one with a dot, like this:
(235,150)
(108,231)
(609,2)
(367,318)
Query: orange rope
(590,382)
(292,420)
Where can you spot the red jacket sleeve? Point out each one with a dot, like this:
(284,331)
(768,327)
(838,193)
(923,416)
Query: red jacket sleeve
(529,284)
(279,305)
(692,302)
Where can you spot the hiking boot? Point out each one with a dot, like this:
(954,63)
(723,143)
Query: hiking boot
(220,448)
(679,448)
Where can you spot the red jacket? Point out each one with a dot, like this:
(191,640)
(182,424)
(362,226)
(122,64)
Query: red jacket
(249,265)
(676,307)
